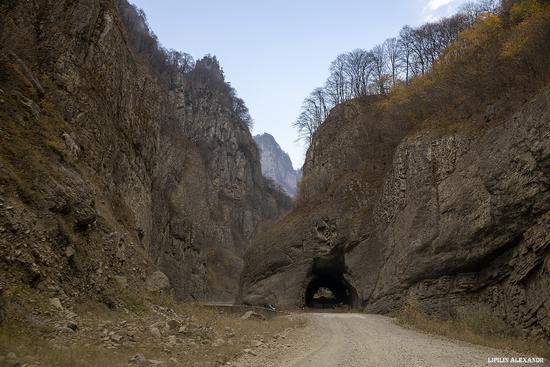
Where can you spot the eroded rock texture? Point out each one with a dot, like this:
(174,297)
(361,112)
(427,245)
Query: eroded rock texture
(451,217)
(107,172)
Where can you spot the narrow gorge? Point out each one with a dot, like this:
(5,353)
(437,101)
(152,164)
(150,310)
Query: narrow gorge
(141,221)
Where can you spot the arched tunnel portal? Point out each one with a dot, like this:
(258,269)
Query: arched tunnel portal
(327,287)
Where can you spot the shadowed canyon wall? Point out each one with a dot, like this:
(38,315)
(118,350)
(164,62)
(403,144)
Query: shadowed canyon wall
(108,172)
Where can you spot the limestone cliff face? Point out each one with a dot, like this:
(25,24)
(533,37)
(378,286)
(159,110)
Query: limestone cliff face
(212,197)
(107,172)
(276,164)
(451,216)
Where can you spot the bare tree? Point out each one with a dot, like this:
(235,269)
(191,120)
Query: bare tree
(392,52)
(473,9)
(314,112)
(412,39)
(337,87)
(378,61)
(360,72)
(358,69)
(405,53)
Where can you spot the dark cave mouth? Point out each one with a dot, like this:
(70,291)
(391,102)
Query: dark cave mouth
(329,291)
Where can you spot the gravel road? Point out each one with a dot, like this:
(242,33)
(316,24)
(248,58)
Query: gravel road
(349,340)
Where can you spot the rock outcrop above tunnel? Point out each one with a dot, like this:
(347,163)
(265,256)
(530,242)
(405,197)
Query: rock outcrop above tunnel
(111,167)
(449,216)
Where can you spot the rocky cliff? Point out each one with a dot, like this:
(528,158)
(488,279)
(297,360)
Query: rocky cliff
(276,164)
(448,215)
(109,172)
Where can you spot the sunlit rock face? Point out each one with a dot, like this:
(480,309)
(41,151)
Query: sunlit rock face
(450,217)
(276,164)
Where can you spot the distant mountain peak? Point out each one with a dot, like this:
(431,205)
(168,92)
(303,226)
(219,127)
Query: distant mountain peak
(276,163)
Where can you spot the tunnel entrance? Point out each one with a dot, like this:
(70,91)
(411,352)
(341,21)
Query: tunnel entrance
(329,291)
(327,285)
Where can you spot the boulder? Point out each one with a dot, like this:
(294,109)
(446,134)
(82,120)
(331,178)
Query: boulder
(121,281)
(155,332)
(56,303)
(72,325)
(248,315)
(173,324)
(141,361)
(69,252)
(157,281)
(10,360)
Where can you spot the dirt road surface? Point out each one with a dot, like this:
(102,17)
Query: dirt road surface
(349,340)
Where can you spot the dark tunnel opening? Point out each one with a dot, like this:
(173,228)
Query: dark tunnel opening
(328,291)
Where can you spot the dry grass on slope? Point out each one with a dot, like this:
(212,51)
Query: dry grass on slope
(474,324)
(494,66)
(150,330)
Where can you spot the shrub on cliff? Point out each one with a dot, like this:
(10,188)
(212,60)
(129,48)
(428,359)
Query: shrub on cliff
(203,79)
(498,57)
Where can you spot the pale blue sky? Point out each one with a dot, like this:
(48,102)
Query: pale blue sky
(276,52)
